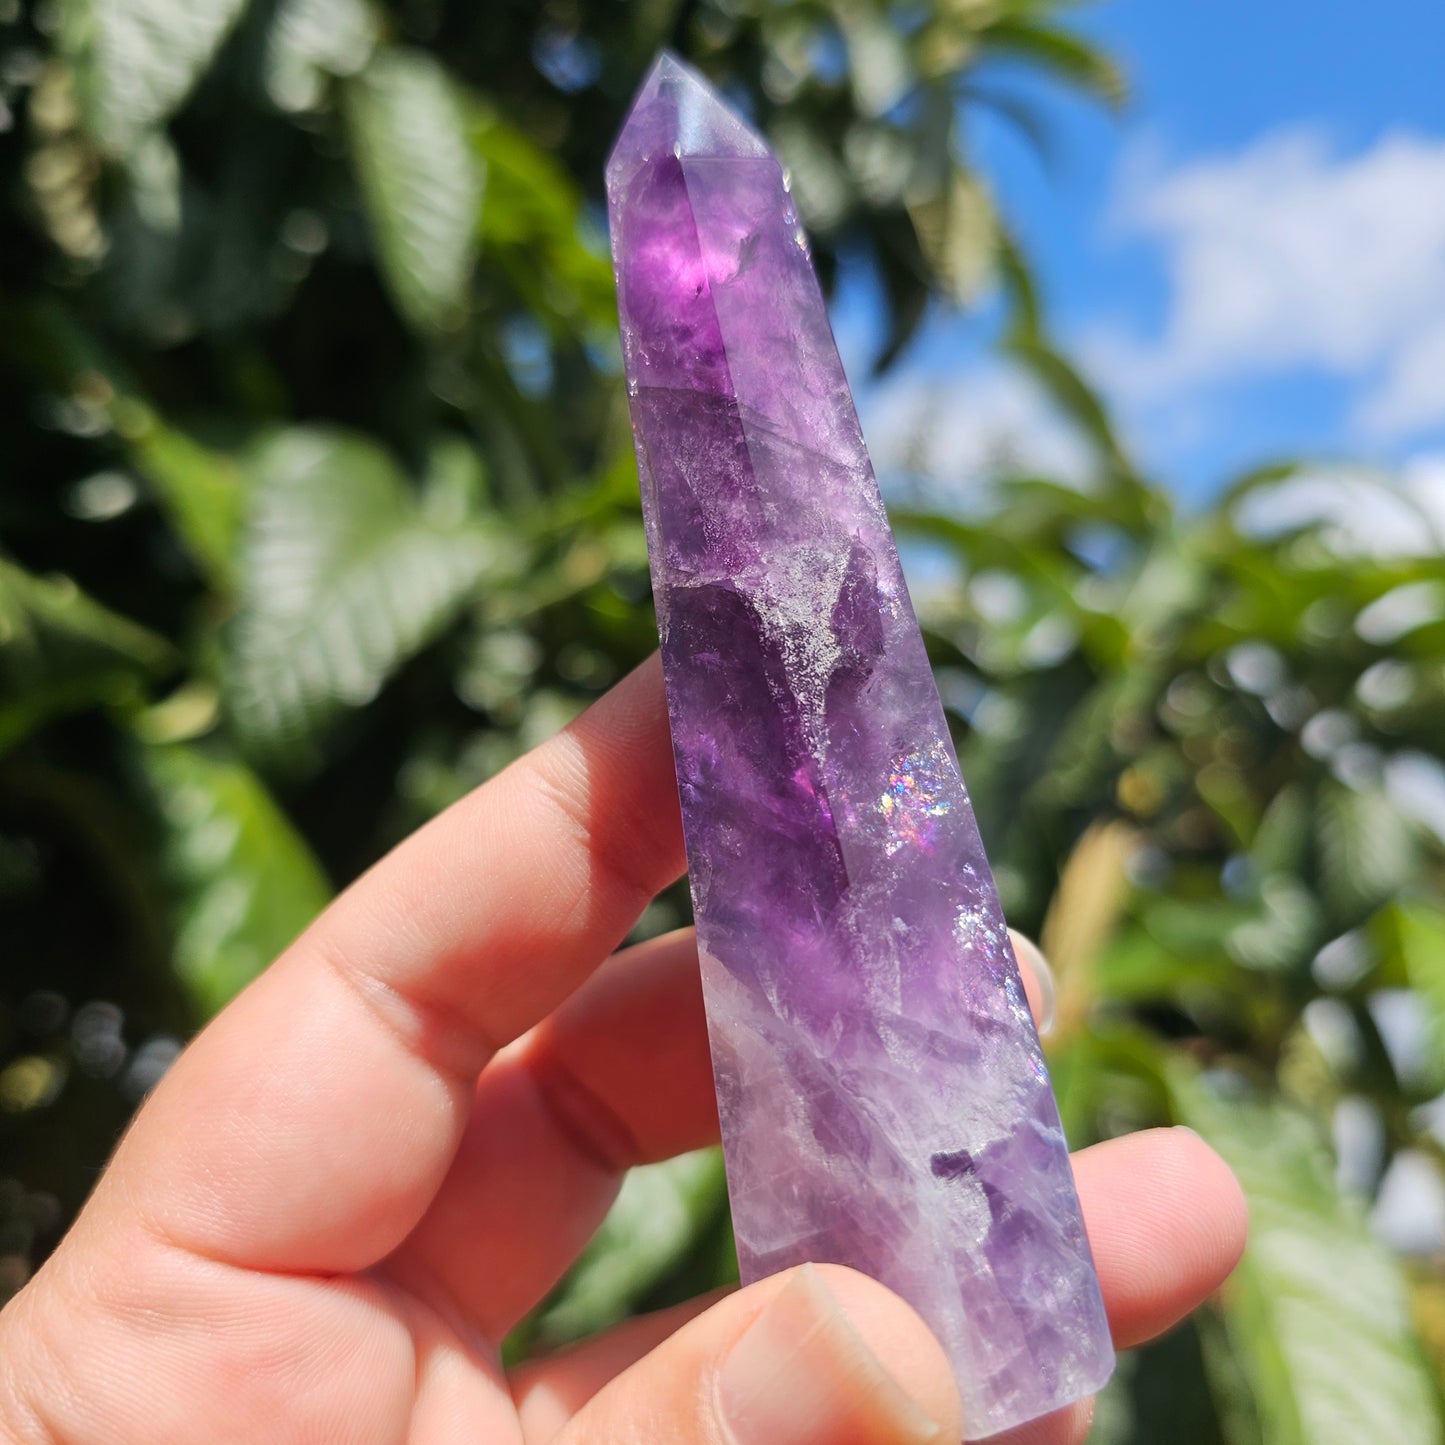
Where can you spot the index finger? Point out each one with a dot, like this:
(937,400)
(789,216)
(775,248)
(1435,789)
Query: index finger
(309,1126)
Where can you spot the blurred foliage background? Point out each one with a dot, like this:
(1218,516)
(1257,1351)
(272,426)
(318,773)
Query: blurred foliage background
(319,506)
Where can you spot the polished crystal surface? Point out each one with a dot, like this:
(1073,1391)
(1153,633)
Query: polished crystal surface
(883,1096)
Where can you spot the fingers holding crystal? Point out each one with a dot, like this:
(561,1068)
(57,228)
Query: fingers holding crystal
(619,1075)
(1166,1221)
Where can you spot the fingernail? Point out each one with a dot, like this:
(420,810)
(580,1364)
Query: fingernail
(801,1374)
(1035,966)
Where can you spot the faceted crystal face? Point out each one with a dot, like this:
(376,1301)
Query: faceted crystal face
(883,1096)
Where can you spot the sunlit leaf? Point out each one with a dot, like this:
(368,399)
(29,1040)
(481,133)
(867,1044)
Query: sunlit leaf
(1284,927)
(311,40)
(1171,583)
(61,651)
(421,179)
(1083,916)
(1317,1310)
(878,64)
(1367,850)
(958,232)
(1412,935)
(154,171)
(137,60)
(820,184)
(243,882)
(1195,927)
(533,227)
(344,576)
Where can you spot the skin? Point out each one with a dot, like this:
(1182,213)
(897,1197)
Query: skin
(387,1149)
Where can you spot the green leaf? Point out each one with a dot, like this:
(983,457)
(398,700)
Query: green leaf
(1422,942)
(1072,394)
(533,230)
(819,181)
(878,61)
(1284,931)
(1367,850)
(136,60)
(1161,1393)
(1018,283)
(1061,54)
(903,266)
(344,576)
(1138,966)
(153,169)
(243,883)
(421,181)
(1412,939)
(201,491)
(1281,842)
(310,40)
(1254,479)
(958,233)
(1317,1310)
(1170,583)
(62,651)
(659,1213)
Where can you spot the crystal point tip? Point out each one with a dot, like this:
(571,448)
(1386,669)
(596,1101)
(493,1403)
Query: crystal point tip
(676,111)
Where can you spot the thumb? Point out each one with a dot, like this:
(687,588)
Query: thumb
(820,1355)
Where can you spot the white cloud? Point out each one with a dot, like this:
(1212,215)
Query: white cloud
(963,428)
(1287,255)
(1412,395)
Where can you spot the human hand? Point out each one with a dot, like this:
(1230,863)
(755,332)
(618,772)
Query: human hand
(365,1170)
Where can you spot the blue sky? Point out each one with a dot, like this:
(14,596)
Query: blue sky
(1250,259)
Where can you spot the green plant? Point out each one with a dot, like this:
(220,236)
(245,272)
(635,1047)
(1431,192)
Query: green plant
(319,507)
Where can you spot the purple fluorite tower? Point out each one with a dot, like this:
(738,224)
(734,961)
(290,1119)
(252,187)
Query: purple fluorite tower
(884,1100)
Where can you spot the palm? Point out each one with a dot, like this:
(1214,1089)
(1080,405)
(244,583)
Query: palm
(390,1147)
